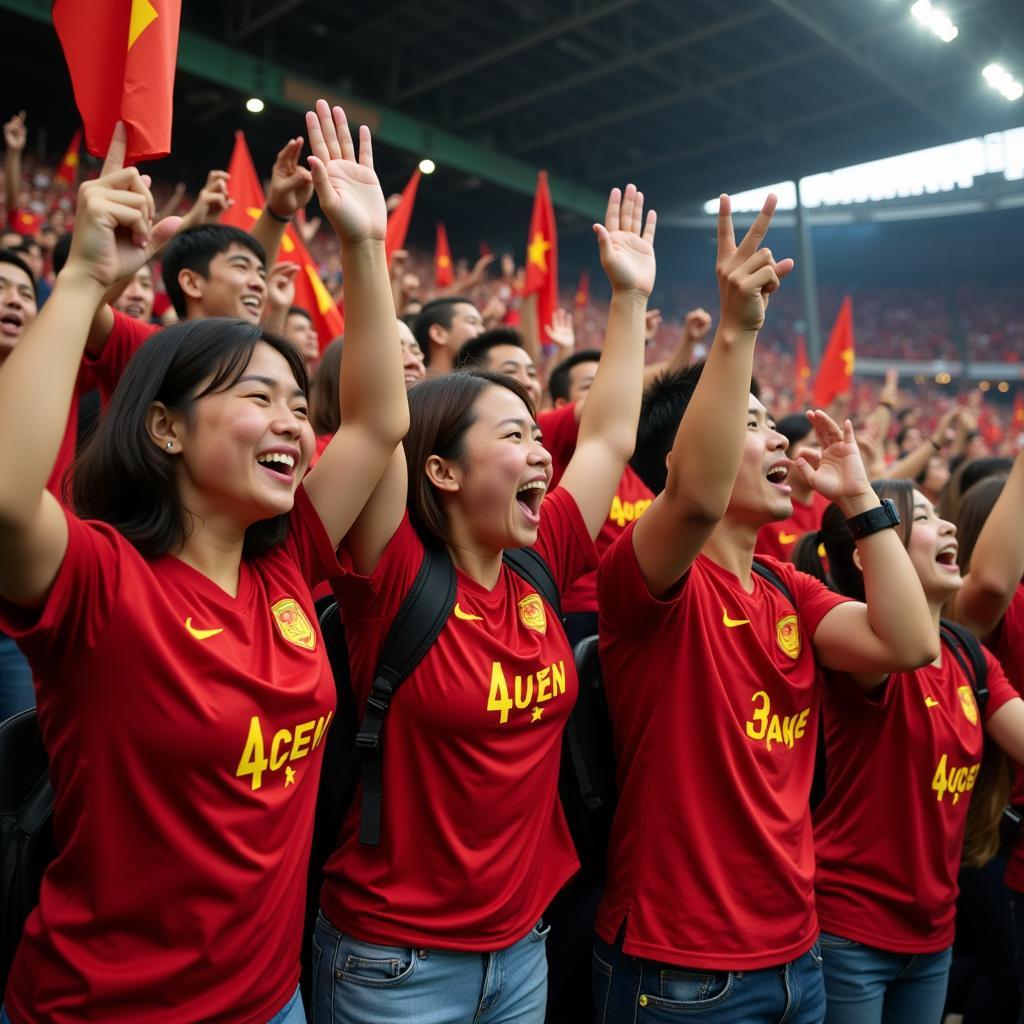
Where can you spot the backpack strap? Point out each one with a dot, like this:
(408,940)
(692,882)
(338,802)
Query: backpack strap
(530,566)
(417,625)
(772,577)
(966,648)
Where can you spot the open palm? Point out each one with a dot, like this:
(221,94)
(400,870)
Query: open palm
(349,192)
(626,243)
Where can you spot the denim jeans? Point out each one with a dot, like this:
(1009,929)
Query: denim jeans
(358,982)
(16,691)
(865,985)
(630,990)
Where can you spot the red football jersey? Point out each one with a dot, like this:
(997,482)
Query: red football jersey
(713,696)
(473,841)
(1007,643)
(185,731)
(632,498)
(901,768)
(779,539)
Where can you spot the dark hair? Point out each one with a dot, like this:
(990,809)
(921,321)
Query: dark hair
(299,311)
(437,311)
(794,427)
(324,397)
(965,476)
(122,478)
(558,381)
(661,412)
(901,436)
(440,412)
(843,575)
(10,256)
(974,510)
(473,354)
(61,251)
(195,248)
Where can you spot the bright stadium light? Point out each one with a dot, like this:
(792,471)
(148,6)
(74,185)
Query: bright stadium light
(1002,81)
(935,19)
(254,105)
(427,166)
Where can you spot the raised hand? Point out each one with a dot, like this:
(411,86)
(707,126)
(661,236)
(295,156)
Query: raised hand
(15,135)
(114,230)
(281,286)
(652,324)
(348,189)
(697,324)
(836,471)
(560,331)
(747,275)
(626,243)
(291,186)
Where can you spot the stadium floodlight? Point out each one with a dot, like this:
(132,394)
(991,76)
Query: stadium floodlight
(254,105)
(427,166)
(935,19)
(1002,81)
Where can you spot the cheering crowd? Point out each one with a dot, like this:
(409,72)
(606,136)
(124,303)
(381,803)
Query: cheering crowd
(810,623)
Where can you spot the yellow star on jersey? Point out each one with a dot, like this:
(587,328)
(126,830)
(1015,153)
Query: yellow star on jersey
(289,777)
(537,250)
(537,712)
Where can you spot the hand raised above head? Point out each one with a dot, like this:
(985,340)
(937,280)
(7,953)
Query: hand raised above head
(626,242)
(15,135)
(348,189)
(291,186)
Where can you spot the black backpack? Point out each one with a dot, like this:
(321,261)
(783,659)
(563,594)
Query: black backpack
(26,828)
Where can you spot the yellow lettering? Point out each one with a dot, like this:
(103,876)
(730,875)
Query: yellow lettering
(521,700)
(617,513)
(939,779)
(543,685)
(321,729)
(499,699)
(558,679)
(801,724)
(774,732)
(760,715)
(642,506)
(281,736)
(787,729)
(301,747)
(253,761)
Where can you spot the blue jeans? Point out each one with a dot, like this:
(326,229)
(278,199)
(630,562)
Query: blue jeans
(16,691)
(630,990)
(871,986)
(358,982)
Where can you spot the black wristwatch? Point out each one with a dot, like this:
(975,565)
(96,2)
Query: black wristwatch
(866,523)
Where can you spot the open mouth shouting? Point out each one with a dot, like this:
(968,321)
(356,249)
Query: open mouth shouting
(11,325)
(529,498)
(778,474)
(280,463)
(947,558)
(253,305)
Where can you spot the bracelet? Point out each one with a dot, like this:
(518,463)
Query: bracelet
(883,517)
(277,216)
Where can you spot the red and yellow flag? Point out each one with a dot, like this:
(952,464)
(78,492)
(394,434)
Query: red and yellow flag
(444,272)
(802,371)
(67,172)
(310,292)
(121,55)
(542,255)
(835,374)
(401,215)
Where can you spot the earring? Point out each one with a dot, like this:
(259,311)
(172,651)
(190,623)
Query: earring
(170,445)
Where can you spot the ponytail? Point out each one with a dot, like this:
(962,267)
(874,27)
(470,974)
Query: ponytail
(807,556)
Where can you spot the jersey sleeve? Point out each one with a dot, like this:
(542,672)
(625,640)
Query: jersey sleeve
(563,541)
(1000,689)
(559,431)
(307,542)
(81,606)
(812,598)
(104,370)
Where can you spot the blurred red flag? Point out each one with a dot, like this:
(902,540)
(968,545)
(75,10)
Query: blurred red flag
(444,274)
(835,373)
(399,217)
(1018,410)
(542,255)
(121,55)
(802,368)
(583,291)
(67,172)
(310,292)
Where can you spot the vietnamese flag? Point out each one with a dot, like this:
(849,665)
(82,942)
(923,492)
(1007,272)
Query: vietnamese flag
(542,255)
(67,172)
(835,374)
(400,216)
(444,275)
(802,368)
(310,292)
(583,291)
(121,55)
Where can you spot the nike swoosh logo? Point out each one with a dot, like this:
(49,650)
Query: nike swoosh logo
(930,702)
(786,538)
(465,616)
(201,634)
(733,623)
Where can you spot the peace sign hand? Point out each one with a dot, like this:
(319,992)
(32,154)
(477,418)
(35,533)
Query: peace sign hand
(746,275)
(349,192)
(626,243)
(836,471)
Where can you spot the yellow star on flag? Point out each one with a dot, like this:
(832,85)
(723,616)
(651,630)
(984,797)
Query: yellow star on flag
(537,712)
(289,777)
(847,357)
(443,261)
(143,15)
(537,253)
